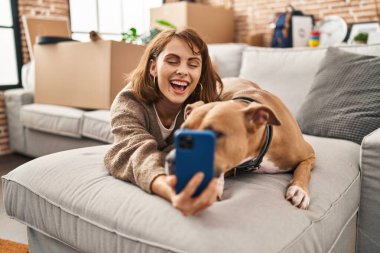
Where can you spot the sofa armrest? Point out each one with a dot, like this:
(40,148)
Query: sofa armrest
(369,210)
(14,100)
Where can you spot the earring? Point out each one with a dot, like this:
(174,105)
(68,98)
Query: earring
(200,84)
(154,81)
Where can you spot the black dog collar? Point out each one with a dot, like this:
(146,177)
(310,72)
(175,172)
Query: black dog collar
(254,164)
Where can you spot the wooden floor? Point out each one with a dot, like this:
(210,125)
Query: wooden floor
(12,161)
(11,229)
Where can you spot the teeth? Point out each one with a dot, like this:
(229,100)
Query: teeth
(179,83)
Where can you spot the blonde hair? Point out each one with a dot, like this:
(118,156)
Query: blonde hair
(143,84)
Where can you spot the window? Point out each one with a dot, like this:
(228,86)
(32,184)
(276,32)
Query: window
(109,18)
(10,49)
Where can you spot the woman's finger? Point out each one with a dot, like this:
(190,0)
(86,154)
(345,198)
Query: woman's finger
(184,201)
(192,185)
(208,196)
(193,206)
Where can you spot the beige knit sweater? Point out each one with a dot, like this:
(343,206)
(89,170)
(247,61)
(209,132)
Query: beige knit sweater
(138,153)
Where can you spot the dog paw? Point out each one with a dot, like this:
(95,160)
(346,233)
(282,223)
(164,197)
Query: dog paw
(298,196)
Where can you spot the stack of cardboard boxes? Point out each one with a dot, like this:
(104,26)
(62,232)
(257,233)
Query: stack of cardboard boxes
(89,75)
(84,75)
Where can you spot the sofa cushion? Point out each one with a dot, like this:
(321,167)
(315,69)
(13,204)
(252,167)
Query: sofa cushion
(38,143)
(97,125)
(344,99)
(77,202)
(289,73)
(227,58)
(54,119)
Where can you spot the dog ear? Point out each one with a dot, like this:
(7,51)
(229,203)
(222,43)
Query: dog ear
(189,108)
(261,114)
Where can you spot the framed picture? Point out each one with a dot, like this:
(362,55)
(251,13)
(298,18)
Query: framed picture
(372,27)
(302,26)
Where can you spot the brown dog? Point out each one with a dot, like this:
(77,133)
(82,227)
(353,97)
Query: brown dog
(241,123)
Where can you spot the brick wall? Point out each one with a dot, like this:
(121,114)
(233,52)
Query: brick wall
(41,8)
(251,16)
(4,141)
(255,16)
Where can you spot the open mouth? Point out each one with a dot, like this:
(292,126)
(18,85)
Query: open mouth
(179,86)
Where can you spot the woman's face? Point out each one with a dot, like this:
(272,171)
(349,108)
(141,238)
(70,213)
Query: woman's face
(177,71)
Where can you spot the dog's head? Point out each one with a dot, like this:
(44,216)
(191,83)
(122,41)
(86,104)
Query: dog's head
(238,128)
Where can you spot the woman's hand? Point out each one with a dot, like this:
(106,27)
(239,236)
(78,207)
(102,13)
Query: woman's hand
(193,206)
(164,187)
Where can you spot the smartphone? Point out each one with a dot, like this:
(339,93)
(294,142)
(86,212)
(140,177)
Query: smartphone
(194,152)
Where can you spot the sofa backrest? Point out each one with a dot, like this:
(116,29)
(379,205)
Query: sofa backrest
(288,73)
(227,58)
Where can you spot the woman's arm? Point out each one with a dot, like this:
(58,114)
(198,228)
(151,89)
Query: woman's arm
(134,157)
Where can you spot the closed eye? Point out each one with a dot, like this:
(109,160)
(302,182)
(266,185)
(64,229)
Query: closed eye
(173,62)
(194,64)
(172,59)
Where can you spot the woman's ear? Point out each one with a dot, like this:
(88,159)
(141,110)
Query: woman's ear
(152,67)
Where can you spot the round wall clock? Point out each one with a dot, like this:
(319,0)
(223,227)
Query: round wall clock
(333,30)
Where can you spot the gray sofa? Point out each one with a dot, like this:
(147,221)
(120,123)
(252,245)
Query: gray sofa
(71,204)
(37,129)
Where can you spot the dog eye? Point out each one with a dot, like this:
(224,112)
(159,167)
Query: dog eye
(218,134)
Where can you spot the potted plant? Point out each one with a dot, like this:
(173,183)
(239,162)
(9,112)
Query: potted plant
(132,36)
(361,38)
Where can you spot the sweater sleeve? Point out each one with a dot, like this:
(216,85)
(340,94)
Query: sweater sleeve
(134,157)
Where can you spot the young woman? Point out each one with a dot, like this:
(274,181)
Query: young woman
(174,71)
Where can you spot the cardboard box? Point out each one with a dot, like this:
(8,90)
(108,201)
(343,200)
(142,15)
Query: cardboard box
(254,39)
(42,26)
(84,75)
(214,24)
